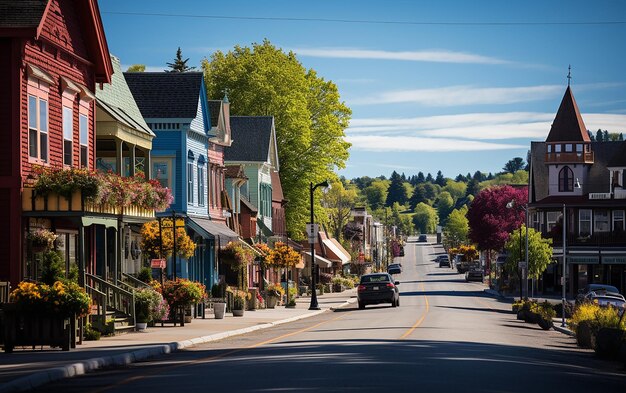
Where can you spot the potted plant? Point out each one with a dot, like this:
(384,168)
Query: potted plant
(545,314)
(274,293)
(239,302)
(181,294)
(219,305)
(41,239)
(147,301)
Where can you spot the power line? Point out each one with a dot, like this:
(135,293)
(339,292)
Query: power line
(367,21)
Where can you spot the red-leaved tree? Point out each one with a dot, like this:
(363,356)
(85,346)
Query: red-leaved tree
(490,221)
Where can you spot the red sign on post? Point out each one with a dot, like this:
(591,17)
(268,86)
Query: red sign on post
(157,263)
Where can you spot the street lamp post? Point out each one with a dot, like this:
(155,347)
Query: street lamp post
(563,300)
(314,305)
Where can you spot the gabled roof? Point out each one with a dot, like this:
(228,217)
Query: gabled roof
(568,125)
(117,100)
(234,172)
(246,202)
(25,15)
(166,94)
(25,18)
(252,138)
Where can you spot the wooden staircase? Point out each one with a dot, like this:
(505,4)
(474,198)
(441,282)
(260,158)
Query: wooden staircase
(112,305)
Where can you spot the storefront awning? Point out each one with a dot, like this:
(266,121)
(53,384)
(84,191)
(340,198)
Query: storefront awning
(319,260)
(107,222)
(335,251)
(213,230)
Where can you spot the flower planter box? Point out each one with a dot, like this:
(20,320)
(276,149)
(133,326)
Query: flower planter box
(271,301)
(24,328)
(237,313)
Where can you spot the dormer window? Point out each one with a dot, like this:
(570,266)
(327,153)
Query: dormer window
(566,180)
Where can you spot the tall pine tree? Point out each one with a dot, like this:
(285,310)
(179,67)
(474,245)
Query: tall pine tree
(396,191)
(179,65)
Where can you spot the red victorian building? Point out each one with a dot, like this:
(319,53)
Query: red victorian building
(52,55)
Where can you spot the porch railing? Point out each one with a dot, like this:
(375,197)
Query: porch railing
(76,203)
(134,282)
(115,297)
(597,239)
(100,302)
(5,290)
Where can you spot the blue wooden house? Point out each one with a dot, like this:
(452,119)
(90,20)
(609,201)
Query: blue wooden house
(176,109)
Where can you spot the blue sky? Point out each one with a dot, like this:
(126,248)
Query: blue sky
(456,86)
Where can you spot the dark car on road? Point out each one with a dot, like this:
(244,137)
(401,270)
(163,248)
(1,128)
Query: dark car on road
(601,294)
(474,275)
(394,268)
(444,262)
(378,288)
(422,239)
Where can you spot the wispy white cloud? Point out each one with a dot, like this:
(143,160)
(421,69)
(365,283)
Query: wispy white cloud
(436,56)
(422,144)
(477,126)
(462,95)
(472,95)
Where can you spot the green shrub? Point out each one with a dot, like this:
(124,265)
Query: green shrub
(53,269)
(145,274)
(91,334)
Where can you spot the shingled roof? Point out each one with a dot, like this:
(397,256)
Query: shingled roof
(118,101)
(568,125)
(166,94)
(251,138)
(215,106)
(22,14)
(619,158)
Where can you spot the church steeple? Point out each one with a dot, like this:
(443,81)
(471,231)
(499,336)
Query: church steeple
(568,125)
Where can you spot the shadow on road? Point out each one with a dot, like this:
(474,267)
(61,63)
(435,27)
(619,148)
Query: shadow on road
(369,364)
(478,309)
(446,293)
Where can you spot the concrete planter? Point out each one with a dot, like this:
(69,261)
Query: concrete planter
(219,309)
(237,313)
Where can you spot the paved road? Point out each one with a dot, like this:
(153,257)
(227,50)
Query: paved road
(446,336)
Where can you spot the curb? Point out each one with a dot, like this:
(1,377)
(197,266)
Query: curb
(563,330)
(147,352)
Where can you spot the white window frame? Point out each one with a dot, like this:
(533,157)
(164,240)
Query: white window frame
(601,221)
(201,185)
(68,135)
(585,217)
(39,91)
(83,129)
(552,218)
(190,182)
(171,176)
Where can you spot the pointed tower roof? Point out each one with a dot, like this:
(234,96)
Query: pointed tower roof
(568,125)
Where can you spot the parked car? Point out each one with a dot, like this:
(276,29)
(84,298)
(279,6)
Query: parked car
(614,301)
(422,239)
(444,262)
(443,257)
(394,268)
(378,288)
(593,291)
(474,275)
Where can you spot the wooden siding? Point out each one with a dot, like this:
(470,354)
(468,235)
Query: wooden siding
(197,124)
(7,97)
(169,143)
(199,146)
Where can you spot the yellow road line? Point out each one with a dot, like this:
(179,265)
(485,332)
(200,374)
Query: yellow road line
(214,357)
(419,321)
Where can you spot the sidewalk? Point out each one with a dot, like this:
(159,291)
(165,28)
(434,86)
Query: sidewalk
(25,369)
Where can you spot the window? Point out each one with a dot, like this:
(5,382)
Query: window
(190,188)
(579,148)
(557,148)
(584,222)
(552,218)
(569,147)
(566,180)
(618,221)
(200,185)
(38,128)
(601,221)
(549,148)
(68,134)
(163,171)
(536,221)
(83,127)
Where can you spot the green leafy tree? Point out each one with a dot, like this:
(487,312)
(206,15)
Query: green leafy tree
(309,116)
(444,205)
(376,193)
(440,180)
(137,68)
(425,218)
(339,201)
(396,191)
(179,65)
(455,188)
(514,165)
(457,228)
(539,252)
